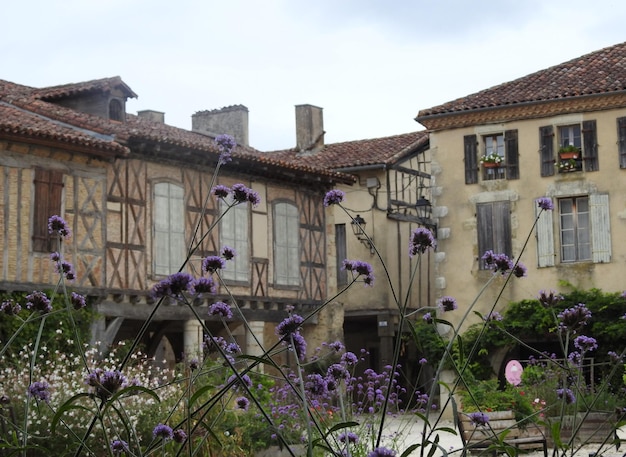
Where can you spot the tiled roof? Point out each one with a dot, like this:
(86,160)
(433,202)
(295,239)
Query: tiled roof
(377,151)
(600,72)
(31,115)
(66,90)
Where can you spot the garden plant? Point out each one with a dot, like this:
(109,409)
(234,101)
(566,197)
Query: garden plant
(60,395)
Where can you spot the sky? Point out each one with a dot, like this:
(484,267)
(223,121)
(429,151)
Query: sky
(371,65)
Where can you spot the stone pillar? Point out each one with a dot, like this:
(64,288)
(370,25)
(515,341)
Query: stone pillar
(192,338)
(253,334)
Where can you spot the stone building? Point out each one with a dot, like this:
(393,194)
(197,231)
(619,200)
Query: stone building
(137,194)
(529,123)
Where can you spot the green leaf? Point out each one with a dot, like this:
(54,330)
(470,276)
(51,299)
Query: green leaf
(410,449)
(68,405)
(197,394)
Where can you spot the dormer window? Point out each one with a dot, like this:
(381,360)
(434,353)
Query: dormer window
(116,110)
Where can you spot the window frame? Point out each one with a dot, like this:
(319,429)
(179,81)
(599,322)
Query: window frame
(577,228)
(168,228)
(286,249)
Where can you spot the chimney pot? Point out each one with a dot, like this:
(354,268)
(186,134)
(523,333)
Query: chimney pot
(152,115)
(231,120)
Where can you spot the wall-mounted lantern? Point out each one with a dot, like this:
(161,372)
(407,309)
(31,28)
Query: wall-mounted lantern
(358,228)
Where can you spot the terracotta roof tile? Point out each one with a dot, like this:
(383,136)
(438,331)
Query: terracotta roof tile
(34,115)
(377,151)
(65,90)
(600,72)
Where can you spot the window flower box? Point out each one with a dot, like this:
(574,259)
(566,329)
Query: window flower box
(569,152)
(492,160)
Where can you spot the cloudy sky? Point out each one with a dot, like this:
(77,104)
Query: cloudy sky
(371,65)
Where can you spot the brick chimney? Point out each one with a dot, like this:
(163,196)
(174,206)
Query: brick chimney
(309,128)
(232,120)
(152,115)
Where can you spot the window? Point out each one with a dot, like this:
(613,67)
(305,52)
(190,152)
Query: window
(584,231)
(582,137)
(493,221)
(116,110)
(341,253)
(286,245)
(235,234)
(575,240)
(48,201)
(504,145)
(169,228)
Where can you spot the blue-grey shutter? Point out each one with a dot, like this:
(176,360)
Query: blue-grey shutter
(590,146)
(234,232)
(546,143)
(512,154)
(621,141)
(470,147)
(169,228)
(600,228)
(545,237)
(286,244)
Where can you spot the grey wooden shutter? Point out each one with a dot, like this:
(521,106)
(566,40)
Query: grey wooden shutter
(234,232)
(471,159)
(512,154)
(286,244)
(169,229)
(590,146)
(600,228)
(341,253)
(48,202)
(544,231)
(493,221)
(621,141)
(546,143)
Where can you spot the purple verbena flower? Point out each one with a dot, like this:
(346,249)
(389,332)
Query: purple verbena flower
(337,346)
(225,144)
(299,345)
(479,418)
(545,203)
(348,437)
(175,285)
(337,371)
(289,325)
(213,263)
(78,301)
(221,191)
(585,343)
(242,403)
(228,253)
(349,358)
(382,452)
(194,364)
(334,197)
(447,303)
(163,431)
(39,391)
(242,194)
(549,298)
(220,309)
(239,381)
(119,446)
(520,270)
(574,318)
(106,382)
(421,240)
(38,301)
(428,318)
(361,268)
(493,316)
(179,435)
(203,285)
(10,307)
(422,361)
(566,394)
(58,225)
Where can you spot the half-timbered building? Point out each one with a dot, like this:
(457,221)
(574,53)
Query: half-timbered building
(137,194)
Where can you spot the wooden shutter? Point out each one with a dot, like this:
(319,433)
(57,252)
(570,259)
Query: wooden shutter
(48,202)
(600,228)
(234,232)
(494,228)
(341,253)
(471,159)
(544,231)
(621,141)
(512,154)
(169,228)
(546,143)
(286,244)
(590,146)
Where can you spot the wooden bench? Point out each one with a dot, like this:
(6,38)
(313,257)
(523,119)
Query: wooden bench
(483,437)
